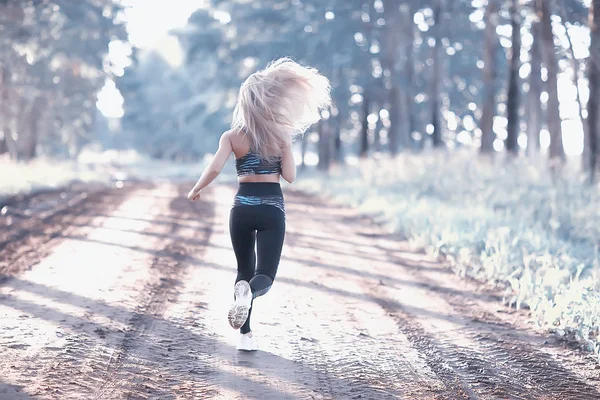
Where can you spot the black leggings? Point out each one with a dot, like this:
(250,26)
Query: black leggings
(257,217)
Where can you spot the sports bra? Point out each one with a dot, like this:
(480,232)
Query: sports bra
(252,164)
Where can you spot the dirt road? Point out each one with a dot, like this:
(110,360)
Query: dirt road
(123,294)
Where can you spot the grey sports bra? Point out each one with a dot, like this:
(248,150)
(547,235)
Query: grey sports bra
(252,164)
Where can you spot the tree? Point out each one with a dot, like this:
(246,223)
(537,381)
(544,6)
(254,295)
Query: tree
(324,145)
(514,90)
(436,73)
(390,64)
(549,52)
(534,124)
(576,66)
(364,130)
(48,95)
(489,77)
(594,80)
(407,99)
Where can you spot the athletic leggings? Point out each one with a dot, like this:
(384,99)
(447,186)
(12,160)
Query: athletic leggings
(257,216)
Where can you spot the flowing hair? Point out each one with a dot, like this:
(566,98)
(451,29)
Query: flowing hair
(279,102)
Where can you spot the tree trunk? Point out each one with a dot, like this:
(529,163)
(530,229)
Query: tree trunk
(594,82)
(514,91)
(337,140)
(390,60)
(3,146)
(554,121)
(32,138)
(364,132)
(303,152)
(576,65)
(489,78)
(12,13)
(534,124)
(409,68)
(436,136)
(395,121)
(3,111)
(377,135)
(324,146)
(6,112)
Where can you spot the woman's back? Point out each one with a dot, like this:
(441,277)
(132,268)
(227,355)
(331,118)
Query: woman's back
(250,166)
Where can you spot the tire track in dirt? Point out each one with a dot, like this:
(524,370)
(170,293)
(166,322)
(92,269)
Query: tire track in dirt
(126,375)
(339,349)
(491,355)
(473,357)
(519,351)
(134,306)
(33,224)
(490,364)
(86,290)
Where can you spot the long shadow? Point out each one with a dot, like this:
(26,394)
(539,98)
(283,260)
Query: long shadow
(134,248)
(146,233)
(309,263)
(158,220)
(386,279)
(365,257)
(375,299)
(390,257)
(69,298)
(13,392)
(304,241)
(222,349)
(344,240)
(215,346)
(202,341)
(217,349)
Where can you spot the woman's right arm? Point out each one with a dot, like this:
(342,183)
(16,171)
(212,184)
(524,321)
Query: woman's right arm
(214,168)
(288,165)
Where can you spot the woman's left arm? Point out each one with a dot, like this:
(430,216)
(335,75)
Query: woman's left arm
(214,168)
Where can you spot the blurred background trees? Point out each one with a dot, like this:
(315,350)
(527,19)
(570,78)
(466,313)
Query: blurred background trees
(518,76)
(53,64)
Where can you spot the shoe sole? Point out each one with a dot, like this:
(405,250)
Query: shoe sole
(238,313)
(247,350)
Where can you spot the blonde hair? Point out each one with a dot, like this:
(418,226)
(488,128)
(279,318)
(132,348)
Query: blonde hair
(279,102)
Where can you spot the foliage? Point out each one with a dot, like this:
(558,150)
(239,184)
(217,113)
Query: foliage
(52,65)
(510,225)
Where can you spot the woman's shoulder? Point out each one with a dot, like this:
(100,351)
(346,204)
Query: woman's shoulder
(239,142)
(235,137)
(236,134)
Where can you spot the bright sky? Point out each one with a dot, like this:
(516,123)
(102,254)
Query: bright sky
(149,21)
(148,25)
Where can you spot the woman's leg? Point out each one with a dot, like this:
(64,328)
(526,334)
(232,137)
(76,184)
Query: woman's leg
(246,327)
(270,236)
(243,238)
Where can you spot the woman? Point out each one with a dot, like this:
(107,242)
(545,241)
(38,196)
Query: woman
(273,105)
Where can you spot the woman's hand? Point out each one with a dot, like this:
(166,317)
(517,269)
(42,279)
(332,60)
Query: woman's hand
(194,195)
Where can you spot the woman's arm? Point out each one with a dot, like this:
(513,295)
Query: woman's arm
(288,165)
(214,168)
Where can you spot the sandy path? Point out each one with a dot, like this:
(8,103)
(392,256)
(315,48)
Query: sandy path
(128,301)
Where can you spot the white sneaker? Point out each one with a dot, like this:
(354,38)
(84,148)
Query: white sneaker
(238,313)
(247,342)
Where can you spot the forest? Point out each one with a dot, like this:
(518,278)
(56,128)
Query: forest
(470,127)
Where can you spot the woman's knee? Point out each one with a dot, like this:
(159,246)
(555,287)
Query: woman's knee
(260,284)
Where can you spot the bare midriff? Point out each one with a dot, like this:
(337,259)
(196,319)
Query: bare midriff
(270,178)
